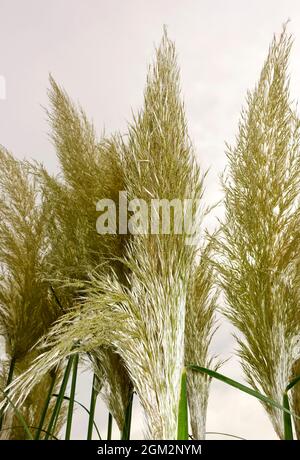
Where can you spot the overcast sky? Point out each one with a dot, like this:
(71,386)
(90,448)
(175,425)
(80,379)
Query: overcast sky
(99,51)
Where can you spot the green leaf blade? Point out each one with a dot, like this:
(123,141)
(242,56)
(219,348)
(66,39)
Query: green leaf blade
(233,383)
(182,429)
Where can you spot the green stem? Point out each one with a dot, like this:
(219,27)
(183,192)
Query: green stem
(287,419)
(127,422)
(93,401)
(109,427)
(8,382)
(182,427)
(46,406)
(72,397)
(59,401)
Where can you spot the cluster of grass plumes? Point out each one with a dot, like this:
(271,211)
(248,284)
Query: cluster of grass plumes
(127,298)
(260,244)
(139,310)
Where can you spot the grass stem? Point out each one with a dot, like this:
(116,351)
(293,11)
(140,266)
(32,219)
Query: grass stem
(287,419)
(127,423)
(46,406)
(182,429)
(72,397)
(109,426)
(92,408)
(59,401)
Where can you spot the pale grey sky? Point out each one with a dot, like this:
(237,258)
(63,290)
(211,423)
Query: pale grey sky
(99,51)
